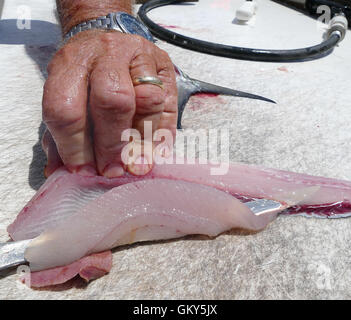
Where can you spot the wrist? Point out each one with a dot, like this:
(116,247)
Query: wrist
(74,12)
(87,35)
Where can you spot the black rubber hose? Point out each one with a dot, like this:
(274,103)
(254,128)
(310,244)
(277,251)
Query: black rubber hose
(222,50)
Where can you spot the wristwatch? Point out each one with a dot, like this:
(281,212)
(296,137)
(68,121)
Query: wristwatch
(120,21)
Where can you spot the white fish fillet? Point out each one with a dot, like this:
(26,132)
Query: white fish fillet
(64,193)
(139,211)
(65,196)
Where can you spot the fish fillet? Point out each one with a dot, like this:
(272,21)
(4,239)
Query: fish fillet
(252,182)
(141,211)
(64,195)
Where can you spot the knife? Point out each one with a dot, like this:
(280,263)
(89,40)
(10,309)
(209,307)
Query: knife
(12,253)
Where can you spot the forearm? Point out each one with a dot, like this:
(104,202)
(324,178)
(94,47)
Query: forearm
(73,12)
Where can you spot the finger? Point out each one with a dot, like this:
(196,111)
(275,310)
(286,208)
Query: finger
(168,120)
(150,101)
(112,101)
(54,160)
(65,114)
(149,98)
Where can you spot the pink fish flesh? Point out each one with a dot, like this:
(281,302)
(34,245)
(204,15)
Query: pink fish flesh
(248,182)
(145,210)
(65,197)
(63,193)
(88,268)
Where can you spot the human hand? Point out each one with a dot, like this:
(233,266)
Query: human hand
(89,100)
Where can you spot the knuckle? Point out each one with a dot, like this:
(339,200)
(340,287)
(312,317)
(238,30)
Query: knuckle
(60,117)
(141,44)
(142,41)
(107,37)
(64,55)
(150,99)
(143,61)
(144,57)
(163,54)
(109,42)
(122,101)
(62,111)
(105,148)
(165,65)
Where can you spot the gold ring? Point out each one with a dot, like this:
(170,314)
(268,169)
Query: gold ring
(148,80)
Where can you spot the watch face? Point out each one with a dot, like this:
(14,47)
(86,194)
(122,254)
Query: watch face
(130,24)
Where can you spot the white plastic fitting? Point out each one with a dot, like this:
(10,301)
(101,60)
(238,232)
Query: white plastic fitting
(246,11)
(338,23)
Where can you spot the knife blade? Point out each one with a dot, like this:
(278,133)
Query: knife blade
(262,206)
(12,253)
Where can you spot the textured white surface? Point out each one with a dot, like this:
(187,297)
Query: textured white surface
(307,131)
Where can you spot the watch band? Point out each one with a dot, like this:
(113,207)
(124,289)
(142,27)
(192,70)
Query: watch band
(105,22)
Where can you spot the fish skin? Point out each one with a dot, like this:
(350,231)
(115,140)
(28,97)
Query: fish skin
(88,268)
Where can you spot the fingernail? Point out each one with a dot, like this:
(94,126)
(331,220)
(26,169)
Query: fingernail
(85,170)
(140,166)
(113,171)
